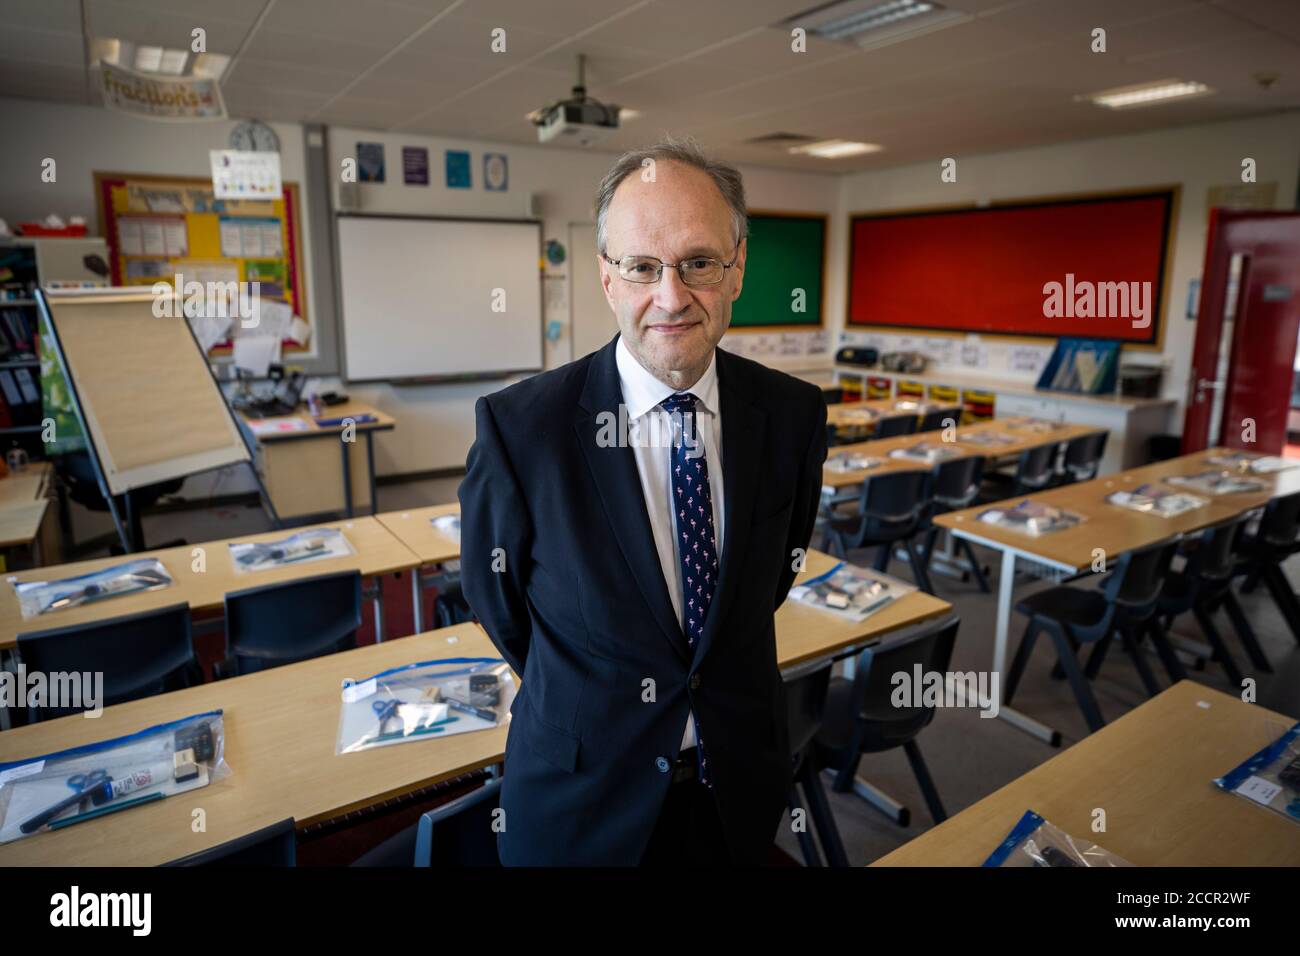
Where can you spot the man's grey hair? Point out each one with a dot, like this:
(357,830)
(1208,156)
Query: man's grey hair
(687,152)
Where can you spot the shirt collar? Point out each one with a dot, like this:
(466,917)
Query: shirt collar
(642,391)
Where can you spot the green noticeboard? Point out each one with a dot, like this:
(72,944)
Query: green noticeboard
(784,271)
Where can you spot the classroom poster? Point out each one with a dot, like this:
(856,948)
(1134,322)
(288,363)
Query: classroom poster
(370,162)
(458,175)
(415,166)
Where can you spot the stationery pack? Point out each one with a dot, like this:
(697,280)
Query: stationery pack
(850,591)
(1217,482)
(1152,499)
(1031,517)
(1255,464)
(315,545)
(42,597)
(926,451)
(73,786)
(851,461)
(1035,842)
(424,700)
(1270,778)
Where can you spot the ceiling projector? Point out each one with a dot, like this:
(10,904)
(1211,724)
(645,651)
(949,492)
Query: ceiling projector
(579,120)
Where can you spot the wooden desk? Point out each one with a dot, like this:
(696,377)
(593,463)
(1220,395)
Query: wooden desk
(24,510)
(1113,529)
(1152,771)
(862,416)
(1021,440)
(280,728)
(415,530)
(312,471)
(376,552)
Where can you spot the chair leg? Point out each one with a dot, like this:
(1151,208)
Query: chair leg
(806,842)
(1173,666)
(1284,597)
(1139,661)
(918,567)
(1097,657)
(965,546)
(1020,660)
(820,811)
(1246,633)
(922,772)
(1078,683)
(931,538)
(881,563)
(1251,582)
(1058,672)
(1221,652)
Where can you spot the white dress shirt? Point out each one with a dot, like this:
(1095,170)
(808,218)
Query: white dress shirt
(650,435)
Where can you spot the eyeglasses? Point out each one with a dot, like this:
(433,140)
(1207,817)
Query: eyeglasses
(697,270)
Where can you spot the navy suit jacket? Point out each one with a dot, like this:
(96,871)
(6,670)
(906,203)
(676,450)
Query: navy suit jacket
(581,610)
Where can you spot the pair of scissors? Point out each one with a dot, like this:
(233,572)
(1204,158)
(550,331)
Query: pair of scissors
(386,710)
(95,786)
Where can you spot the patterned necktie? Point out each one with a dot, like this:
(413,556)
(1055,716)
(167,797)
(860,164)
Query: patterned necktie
(696,550)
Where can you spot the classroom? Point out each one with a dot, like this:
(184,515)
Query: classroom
(373,489)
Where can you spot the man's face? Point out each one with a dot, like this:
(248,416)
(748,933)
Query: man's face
(670,326)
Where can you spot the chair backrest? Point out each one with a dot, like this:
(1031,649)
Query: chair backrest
(896,425)
(1138,578)
(1280,525)
(139,655)
(276,845)
(1034,470)
(281,623)
(955,483)
(451,606)
(1082,459)
(805,703)
(934,420)
(461,832)
(892,503)
(878,695)
(1213,559)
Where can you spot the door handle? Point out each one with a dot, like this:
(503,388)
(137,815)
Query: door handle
(1204,383)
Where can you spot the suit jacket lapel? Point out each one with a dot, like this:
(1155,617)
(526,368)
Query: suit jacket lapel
(619,485)
(743,428)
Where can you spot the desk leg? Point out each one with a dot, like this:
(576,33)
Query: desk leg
(379,610)
(370,470)
(347,477)
(1006,582)
(417,605)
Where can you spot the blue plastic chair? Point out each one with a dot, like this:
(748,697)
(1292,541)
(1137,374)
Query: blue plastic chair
(276,845)
(139,655)
(293,621)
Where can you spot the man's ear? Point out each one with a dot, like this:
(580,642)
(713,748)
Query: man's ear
(739,267)
(605,280)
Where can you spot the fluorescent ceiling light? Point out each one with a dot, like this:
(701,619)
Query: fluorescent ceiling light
(173,62)
(211,65)
(871,23)
(148,58)
(835,149)
(1147,94)
(626,114)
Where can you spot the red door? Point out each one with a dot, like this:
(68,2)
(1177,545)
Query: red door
(1246,331)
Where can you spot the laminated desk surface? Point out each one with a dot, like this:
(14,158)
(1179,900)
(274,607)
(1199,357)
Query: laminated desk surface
(376,551)
(1152,772)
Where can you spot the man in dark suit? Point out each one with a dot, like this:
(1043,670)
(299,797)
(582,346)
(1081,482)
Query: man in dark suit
(630,523)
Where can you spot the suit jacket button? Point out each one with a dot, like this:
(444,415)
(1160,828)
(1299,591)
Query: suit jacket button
(663,764)
(695,682)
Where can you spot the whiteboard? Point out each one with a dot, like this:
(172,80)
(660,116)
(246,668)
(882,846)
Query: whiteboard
(438,298)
